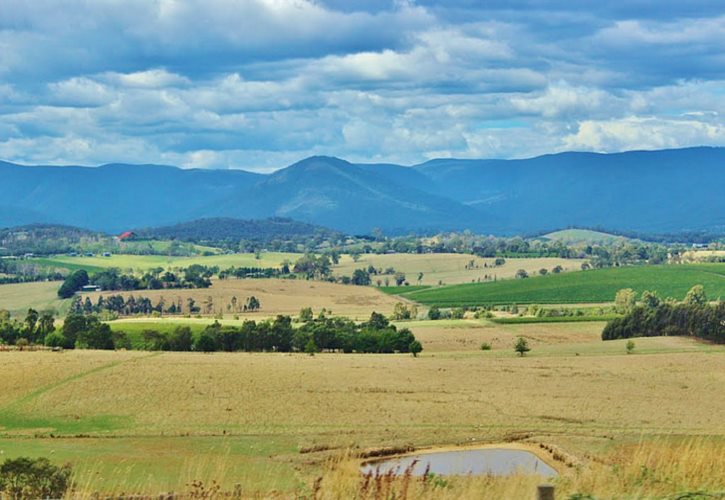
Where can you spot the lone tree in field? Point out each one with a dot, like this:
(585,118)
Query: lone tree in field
(521,346)
(630,346)
(415,347)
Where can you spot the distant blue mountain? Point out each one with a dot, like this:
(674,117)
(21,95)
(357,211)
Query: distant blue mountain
(664,191)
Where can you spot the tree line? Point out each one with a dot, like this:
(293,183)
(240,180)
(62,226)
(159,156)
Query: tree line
(333,334)
(653,317)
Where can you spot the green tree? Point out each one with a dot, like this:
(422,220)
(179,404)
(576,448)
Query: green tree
(434,313)
(310,347)
(625,300)
(650,299)
(696,296)
(33,478)
(521,346)
(306,314)
(521,274)
(630,346)
(415,348)
(74,282)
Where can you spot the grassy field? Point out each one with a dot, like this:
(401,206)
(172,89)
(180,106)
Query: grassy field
(593,286)
(134,421)
(17,298)
(449,268)
(279,296)
(576,236)
(144,262)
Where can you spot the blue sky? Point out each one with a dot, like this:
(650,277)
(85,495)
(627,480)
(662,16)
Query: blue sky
(259,84)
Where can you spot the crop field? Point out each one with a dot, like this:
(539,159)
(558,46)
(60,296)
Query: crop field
(593,286)
(42,295)
(450,268)
(577,236)
(145,262)
(278,296)
(272,421)
(702,255)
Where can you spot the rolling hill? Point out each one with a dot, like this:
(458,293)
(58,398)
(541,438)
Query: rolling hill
(668,191)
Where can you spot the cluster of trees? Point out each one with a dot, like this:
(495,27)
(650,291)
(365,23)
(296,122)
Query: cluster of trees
(23,271)
(323,333)
(194,276)
(120,306)
(26,477)
(276,234)
(652,317)
(34,328)
(376,335)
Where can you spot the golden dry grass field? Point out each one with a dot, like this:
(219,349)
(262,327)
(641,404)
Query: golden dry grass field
(450,268)
(134,421)
(279,296)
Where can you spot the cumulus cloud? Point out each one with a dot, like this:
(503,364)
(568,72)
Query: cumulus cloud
(259,84)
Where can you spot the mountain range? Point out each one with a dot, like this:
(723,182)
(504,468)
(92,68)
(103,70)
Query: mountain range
(665,191)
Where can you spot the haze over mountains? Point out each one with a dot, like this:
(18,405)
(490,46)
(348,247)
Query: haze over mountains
(645,191)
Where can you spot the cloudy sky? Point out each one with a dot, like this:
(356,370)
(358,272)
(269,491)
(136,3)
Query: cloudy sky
(259,84)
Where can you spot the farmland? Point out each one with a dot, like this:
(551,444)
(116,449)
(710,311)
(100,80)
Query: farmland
(17,298)
(279,296)
(243,418)
(450,268)
(593,286)
(146,262)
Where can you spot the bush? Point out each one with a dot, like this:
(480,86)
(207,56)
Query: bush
(55,339)
(33,478)
(521,346)
(434,313)
(485,346)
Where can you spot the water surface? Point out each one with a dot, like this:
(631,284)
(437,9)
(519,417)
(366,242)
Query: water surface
(494,461)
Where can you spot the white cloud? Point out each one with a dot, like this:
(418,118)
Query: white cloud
(643,133)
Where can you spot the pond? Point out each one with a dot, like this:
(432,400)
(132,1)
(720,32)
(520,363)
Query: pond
(482,461)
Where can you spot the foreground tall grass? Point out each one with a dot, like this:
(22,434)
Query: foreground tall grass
(693,468)
(669,468)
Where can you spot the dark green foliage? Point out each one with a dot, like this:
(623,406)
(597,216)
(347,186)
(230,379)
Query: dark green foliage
(415,347)
(521,346)
(95,335)
(73,283)
(360,277)
(31,478)
(326,334)
(698,320)
(434,313)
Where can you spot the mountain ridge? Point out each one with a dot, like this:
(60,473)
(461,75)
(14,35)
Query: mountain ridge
(652,191)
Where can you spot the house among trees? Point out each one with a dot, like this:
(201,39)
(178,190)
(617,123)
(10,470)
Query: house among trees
(127,236)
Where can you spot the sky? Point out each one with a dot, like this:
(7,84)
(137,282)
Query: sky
(260,84)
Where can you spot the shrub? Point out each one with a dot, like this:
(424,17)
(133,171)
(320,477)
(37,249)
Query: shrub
(521,346)
(630,346)
(434,313)
(33,478)
(485,346)
(415,347)
(55,339)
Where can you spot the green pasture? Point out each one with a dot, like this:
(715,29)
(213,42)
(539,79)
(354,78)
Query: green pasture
(599,285)
(145,262)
